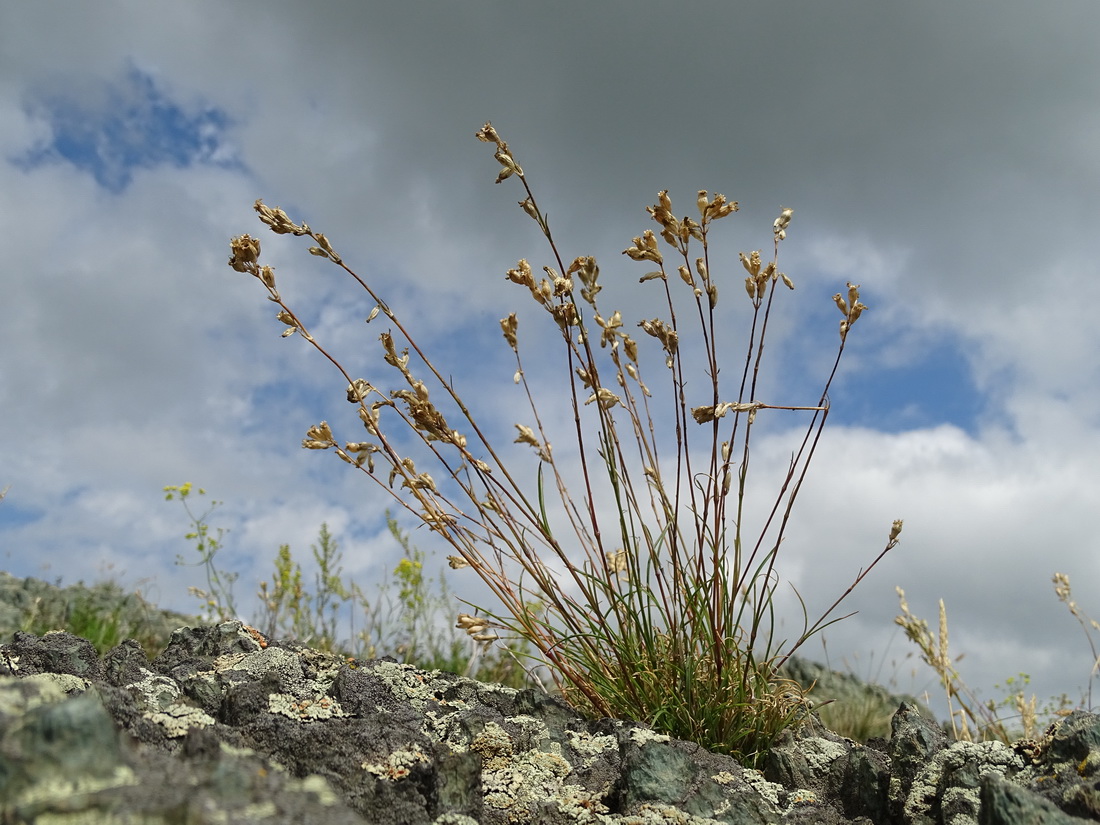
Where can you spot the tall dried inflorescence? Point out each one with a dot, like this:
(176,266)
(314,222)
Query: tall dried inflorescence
(629,565)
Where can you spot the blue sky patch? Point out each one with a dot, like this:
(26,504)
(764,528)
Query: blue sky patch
(133,124)
(938,388)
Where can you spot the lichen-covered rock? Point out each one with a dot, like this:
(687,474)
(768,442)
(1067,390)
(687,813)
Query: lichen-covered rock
(227,726)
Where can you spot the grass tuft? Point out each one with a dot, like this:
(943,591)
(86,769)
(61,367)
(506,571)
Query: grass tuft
(629,561)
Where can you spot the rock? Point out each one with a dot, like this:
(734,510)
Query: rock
(225,725)
(104,613)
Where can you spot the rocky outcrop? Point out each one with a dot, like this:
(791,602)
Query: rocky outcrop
(227,726)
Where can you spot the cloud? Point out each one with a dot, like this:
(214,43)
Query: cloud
(937,155)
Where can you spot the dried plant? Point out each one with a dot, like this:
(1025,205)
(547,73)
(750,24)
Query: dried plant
(628,564)
(973,719)
(1088,625)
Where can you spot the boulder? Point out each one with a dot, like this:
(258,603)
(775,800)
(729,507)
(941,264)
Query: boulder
(226,725)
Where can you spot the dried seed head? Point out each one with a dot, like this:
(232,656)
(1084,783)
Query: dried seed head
(853,293)
(319,437)
(685,275)
(786,280)
(358,391)
(631,347)
(895,530)
(751,263)
(267,277)
(841,304)
(604,397)
(662,332)
(278,221)
(584,267)
(564,314)
(664,201)
(692,228)
(616,562)
(457,562)
(508,165)
(391,357)
(487,134)
(704,414)
(703,203)
(719,208)
(781,223)
(422,481)
(644,249)
(522,274)
(330,253)
(526,436)
(471,624)
(609,326)
(245,252)
(528,206)
(508,326)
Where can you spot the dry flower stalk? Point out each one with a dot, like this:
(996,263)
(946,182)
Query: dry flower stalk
(649,609)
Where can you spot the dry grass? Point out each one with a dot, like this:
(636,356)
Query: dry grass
(632,567)
(1016,715)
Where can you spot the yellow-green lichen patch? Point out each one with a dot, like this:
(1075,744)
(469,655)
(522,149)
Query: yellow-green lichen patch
(652,814)
(307,709)
(164,705)
(639,736)
(261,662)
(178,718)
(768,791)
(419,687)
(398,764)
(526,778)
(589,746)
(407,683)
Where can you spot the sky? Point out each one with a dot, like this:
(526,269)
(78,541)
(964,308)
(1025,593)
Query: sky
(943,155)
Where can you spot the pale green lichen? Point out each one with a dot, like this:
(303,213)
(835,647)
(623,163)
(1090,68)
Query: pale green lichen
(398,764)
(259,663)
(983,757)
(165,706)
(640,736)
(820,753)
(304,709)
(517,782)
(654,814)
(451,818)
(770,792)
(177,719)
(590,746)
